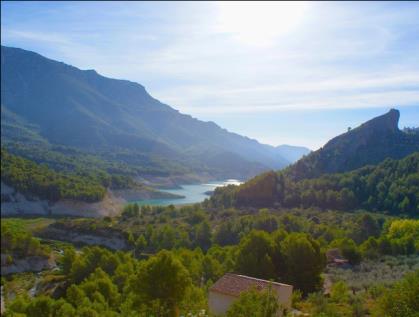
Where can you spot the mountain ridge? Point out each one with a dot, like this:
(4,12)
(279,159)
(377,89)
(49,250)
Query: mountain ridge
(376,155)
(83,109)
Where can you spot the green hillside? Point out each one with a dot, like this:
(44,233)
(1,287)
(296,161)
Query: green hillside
(391,186)
(34,179)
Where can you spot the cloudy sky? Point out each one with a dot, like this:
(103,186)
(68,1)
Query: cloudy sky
(295,73)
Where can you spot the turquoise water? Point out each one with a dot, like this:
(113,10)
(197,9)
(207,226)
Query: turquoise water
(193,193)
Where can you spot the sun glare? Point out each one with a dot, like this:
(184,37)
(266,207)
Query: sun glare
(259,23)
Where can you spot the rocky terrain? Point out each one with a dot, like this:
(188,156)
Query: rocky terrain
(14,203)
(26,264)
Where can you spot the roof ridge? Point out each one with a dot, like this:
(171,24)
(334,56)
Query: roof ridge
(261,280)
(232,283)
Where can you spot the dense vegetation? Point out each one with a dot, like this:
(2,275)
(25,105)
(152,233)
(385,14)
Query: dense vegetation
(398,300)
(100,163)
(272,244)
(174,255)
(290,226)
(16,242)
(392,186)
(32,178)
(151,229)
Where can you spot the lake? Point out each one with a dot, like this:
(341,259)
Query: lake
(193,193)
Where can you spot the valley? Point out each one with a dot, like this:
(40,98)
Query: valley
(115,204)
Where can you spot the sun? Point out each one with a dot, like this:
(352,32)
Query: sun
(259,23)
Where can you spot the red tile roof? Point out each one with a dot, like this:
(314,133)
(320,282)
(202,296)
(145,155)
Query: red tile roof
(234,284)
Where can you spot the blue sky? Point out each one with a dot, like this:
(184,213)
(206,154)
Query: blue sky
(295,73)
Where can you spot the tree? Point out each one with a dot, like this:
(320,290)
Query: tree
(203,235)
(304,262)
(367,227)
(211,268)
(266,223)
(164,278)
(402,300)
(226,235)
(68,259)
(140,244)
(40,307)
(404,234)
(253,303)
(259,191)
(339,292)
(349,250)
(254,257)
(99,286)
(370,248)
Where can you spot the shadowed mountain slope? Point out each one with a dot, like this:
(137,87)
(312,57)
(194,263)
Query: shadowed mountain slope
(48,101)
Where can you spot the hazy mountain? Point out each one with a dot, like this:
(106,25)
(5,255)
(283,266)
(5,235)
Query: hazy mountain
(292,153)
(46,101)
(370,143)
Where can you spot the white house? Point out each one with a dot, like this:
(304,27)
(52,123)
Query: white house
(228,288)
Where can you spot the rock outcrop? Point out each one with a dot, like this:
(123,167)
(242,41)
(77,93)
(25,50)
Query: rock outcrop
(112,241)
(26,264)
(370,143)
(14,203)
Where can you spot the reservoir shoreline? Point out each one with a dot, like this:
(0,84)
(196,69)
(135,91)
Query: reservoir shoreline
(192,193)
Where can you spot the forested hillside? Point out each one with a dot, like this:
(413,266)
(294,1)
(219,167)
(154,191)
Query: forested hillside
(174,257)
(391,186)
(31,178)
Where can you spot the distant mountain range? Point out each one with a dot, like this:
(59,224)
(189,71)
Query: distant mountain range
(48,103)
(292,153)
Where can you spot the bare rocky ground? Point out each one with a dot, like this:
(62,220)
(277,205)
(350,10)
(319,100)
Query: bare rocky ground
(27,264)
(113,241)
(14,203)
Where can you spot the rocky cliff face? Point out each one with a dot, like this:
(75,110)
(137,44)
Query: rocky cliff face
(15,203)
(66,231)
(370,143)
(387,122)
(27,264)
(112,241)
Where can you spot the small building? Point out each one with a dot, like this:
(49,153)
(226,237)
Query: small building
(228,288)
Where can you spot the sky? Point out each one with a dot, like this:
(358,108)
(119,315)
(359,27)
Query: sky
(282,73)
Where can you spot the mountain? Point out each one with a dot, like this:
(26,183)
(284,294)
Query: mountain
(49,103)
(370,143)
(292,153)
(374,167)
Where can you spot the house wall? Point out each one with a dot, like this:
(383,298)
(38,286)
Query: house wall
(284,295)
(219,303)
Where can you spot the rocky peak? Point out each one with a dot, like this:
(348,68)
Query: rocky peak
(386,122)
(368,144)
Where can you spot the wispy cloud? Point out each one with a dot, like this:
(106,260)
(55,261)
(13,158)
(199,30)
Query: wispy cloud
(47,38)
(211,58)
